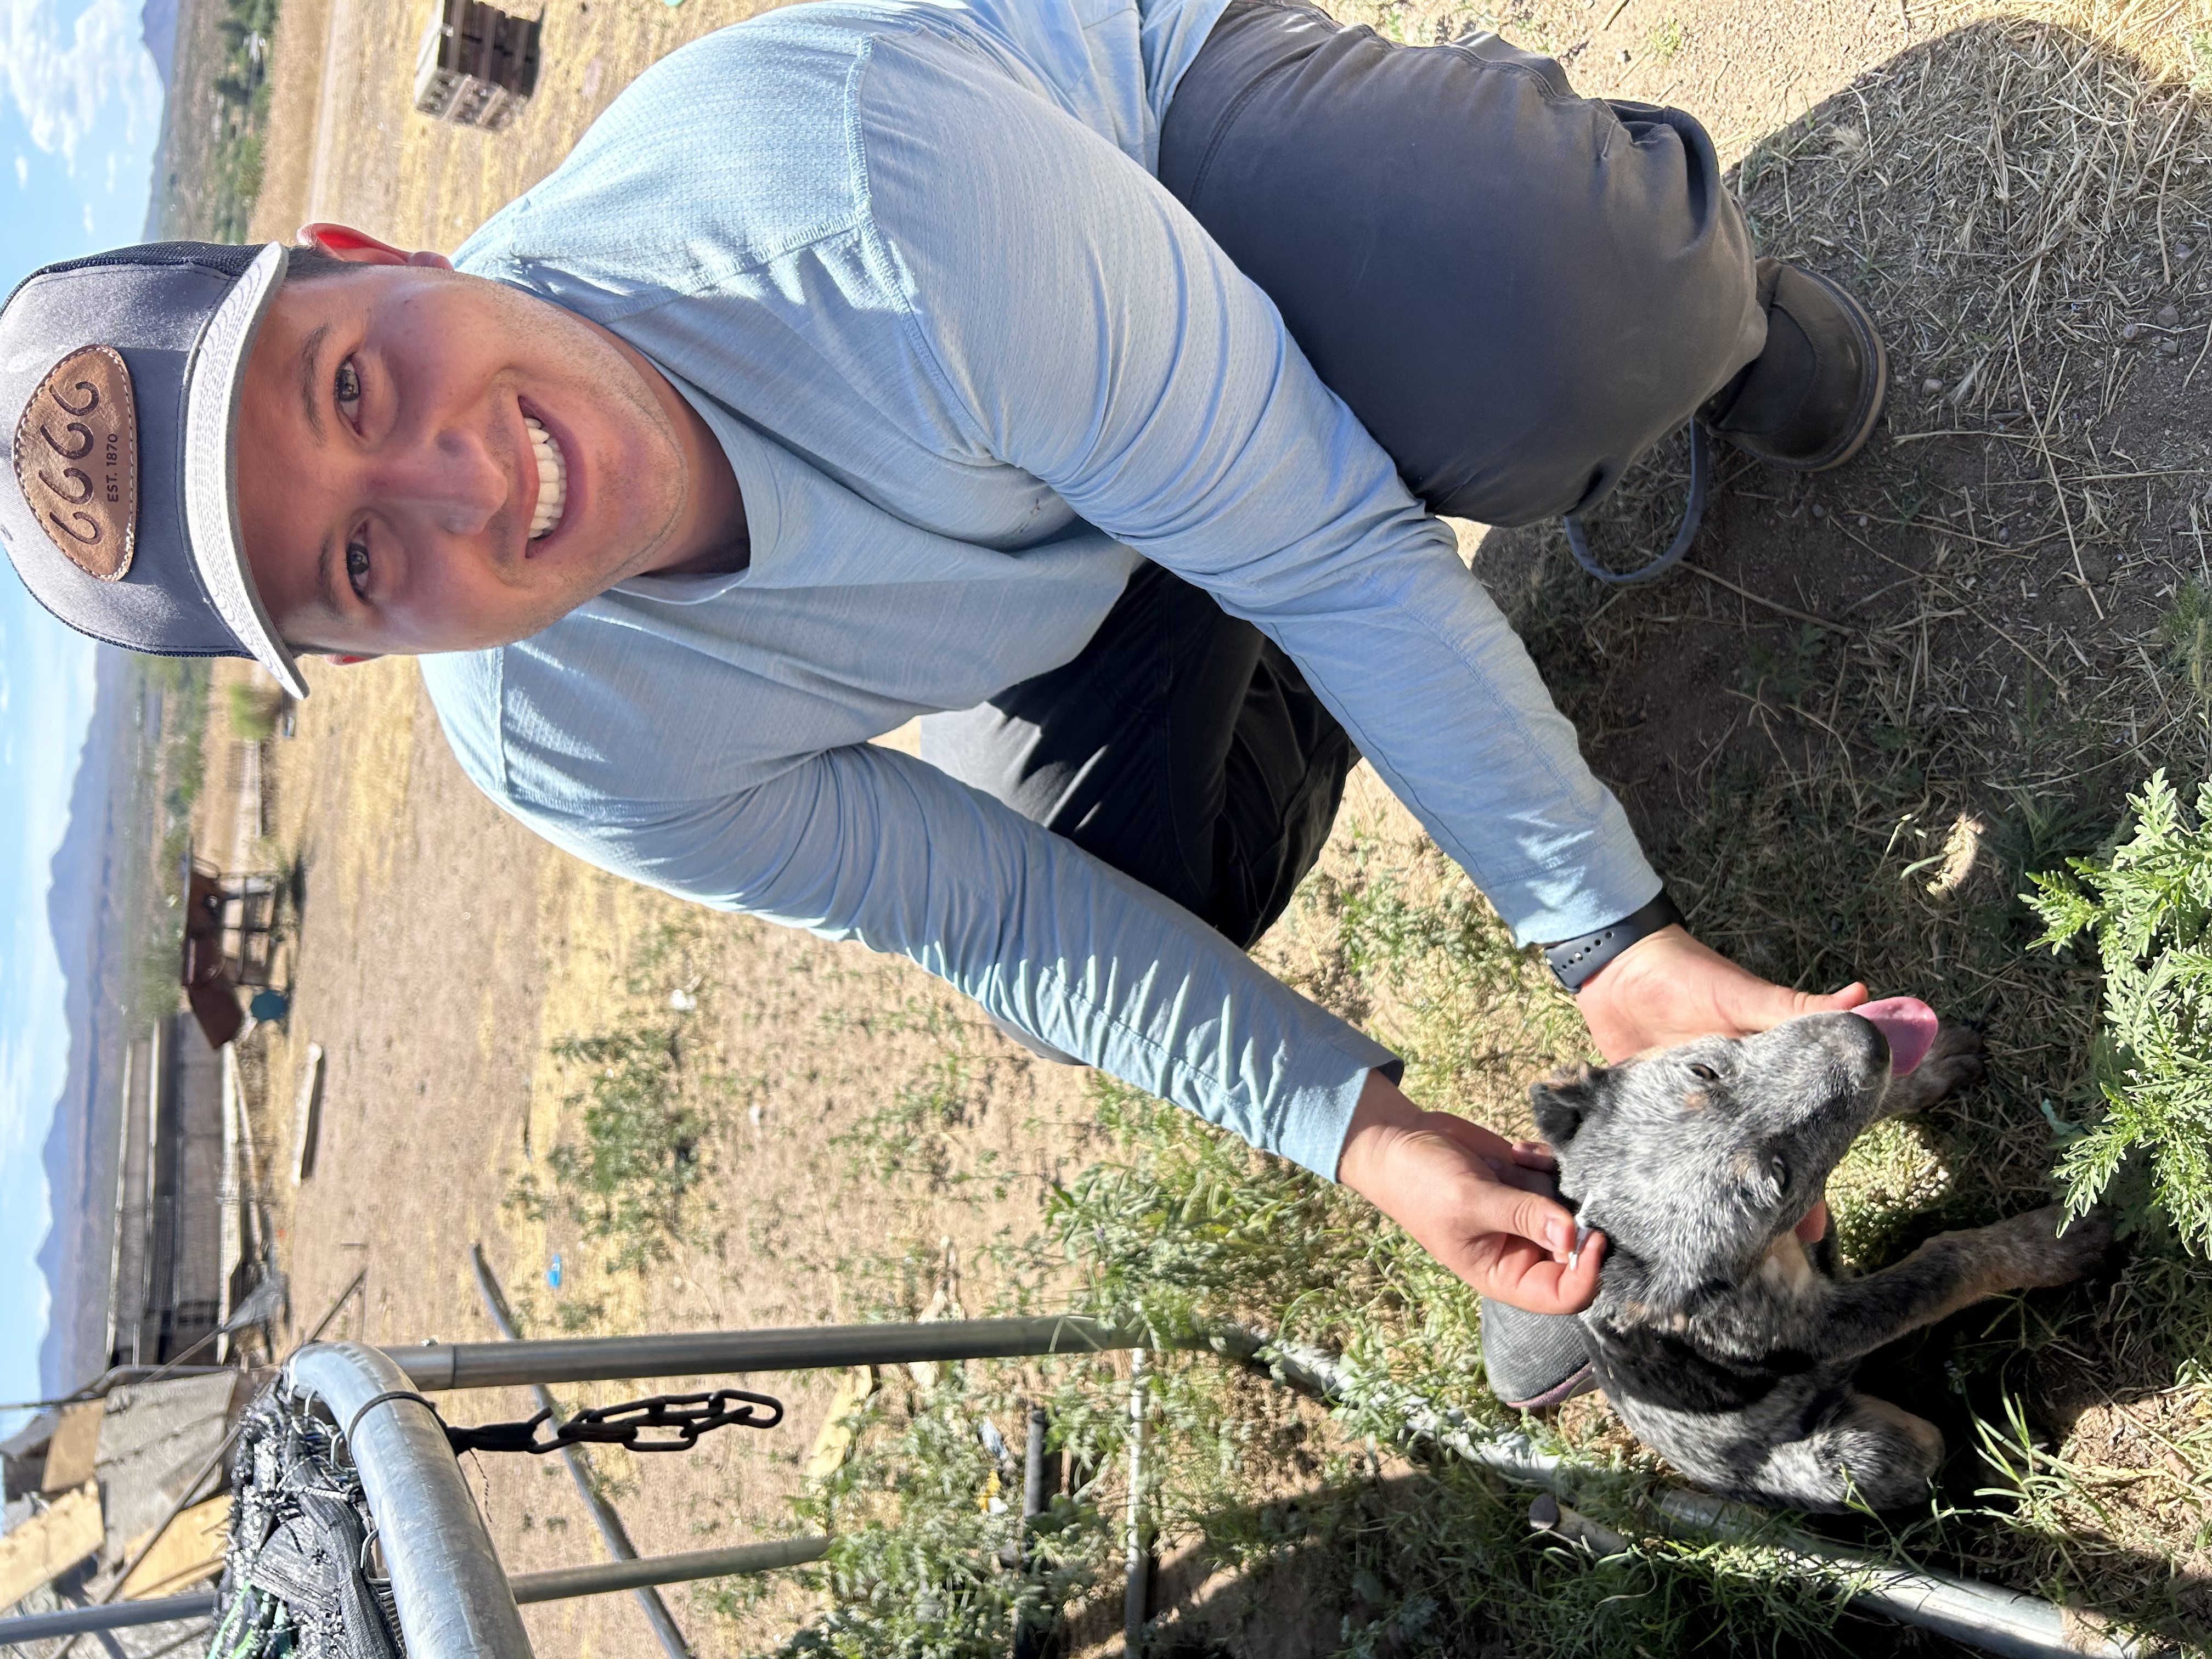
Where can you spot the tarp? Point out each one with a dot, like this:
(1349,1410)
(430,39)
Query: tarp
(156,1436)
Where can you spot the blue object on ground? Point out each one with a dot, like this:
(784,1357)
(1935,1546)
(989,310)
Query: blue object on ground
(268,1004)
(553,1273)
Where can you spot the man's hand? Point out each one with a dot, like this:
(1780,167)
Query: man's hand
(1666,988)
(1477,1202)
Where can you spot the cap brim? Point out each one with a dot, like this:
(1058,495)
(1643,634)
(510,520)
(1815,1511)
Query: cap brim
(214,382)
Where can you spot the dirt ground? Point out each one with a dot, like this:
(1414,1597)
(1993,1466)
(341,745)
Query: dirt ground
(442,949)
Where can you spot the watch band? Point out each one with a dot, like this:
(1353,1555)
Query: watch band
(1575,961)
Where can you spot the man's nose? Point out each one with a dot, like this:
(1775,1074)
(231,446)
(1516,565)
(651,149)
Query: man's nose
(449,478)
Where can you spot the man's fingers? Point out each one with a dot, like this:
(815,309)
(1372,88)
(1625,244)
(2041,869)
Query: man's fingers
(1534,1282)
(1773,1004)
(1543,1221)
(1527,1177)
(1836,1002)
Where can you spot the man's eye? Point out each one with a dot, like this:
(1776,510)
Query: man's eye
(346,385)
(357,569)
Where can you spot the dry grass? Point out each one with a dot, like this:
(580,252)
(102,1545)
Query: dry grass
(1881,697)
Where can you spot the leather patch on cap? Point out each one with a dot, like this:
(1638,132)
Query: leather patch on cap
(76,460)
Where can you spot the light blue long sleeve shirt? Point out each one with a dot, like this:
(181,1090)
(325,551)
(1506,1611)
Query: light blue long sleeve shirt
(971,364)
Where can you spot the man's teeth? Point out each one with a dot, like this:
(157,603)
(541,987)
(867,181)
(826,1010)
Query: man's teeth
(552,480)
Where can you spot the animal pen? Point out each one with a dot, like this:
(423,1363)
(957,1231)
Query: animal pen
(355,1534)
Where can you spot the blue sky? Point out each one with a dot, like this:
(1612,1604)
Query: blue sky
(80,114)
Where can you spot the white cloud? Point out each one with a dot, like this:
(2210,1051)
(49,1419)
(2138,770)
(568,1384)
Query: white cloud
(88,219)
(22,170)
(62,77)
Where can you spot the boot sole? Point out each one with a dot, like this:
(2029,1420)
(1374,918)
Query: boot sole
(1879,394)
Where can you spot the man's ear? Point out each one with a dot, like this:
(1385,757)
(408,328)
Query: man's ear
(1563,1104)
(359,248)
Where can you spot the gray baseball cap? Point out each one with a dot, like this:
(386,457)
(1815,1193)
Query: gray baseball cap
(120,376)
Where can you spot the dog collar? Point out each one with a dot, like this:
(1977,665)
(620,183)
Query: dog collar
(1575,961)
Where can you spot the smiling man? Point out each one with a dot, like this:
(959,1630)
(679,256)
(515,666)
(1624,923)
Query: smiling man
(881,358)
(426,429)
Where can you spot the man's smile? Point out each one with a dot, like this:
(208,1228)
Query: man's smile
(552,480)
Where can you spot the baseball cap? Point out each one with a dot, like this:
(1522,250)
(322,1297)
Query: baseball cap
(120,375)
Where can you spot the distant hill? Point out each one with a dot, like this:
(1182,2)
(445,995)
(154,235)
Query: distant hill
(87,910)
(160,30)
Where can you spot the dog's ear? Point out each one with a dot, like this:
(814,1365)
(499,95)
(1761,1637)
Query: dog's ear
(1563,1103)
(1761,1176)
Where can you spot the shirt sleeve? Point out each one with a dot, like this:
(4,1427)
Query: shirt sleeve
(863,842)
(1087,330)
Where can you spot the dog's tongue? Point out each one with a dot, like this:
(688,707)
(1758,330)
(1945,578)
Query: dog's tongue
(1908,1024)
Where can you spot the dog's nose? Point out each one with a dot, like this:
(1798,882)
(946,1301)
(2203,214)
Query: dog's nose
(1880,1038)
(1861,1045)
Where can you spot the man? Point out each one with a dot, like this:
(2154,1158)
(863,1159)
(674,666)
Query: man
(856,365)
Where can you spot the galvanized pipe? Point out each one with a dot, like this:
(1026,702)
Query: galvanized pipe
(1136,1563)
(1999,1621)
(646,1570)
(438,1366)
(639,1573)
(445,1577)
(112,1615)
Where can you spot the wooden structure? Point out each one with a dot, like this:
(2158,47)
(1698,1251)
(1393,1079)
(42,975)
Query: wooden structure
(169,1273)
(477,66)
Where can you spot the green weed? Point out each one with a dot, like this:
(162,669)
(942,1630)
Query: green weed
(252,712)
(2147,910)
(1787,669)
(649,1115)
(909,1137)
(2186,630)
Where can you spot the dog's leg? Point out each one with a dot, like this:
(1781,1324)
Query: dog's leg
(1953,1061)
(1871,1453)
(1952,1270)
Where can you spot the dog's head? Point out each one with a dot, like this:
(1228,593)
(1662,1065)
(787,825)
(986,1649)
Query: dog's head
(1693,1160)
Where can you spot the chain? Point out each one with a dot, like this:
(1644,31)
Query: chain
(664,1423)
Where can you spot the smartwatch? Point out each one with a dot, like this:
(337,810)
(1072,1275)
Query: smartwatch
(1574,962)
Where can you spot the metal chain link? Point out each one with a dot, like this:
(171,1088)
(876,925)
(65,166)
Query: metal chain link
(674,1422)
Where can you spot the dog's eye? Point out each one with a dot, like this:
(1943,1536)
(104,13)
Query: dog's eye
(1703,1072)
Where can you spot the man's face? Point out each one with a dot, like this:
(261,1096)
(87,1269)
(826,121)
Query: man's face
(389,484)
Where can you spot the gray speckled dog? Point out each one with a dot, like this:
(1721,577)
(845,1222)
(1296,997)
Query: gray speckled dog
(1725,1342)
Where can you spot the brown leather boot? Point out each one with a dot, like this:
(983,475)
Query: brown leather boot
(1809,400)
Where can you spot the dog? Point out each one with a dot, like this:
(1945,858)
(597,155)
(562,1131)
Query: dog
(1727,1343)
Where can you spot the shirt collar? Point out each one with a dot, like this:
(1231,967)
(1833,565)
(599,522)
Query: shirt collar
(755,487)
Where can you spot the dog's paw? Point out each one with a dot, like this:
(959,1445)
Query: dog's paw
(1953,1061)
(2042,1255)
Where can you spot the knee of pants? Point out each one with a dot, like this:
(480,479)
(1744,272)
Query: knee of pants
(1515,289)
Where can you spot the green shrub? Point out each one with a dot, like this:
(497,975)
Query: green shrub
(631,1178)
(2147,910)
(252,712)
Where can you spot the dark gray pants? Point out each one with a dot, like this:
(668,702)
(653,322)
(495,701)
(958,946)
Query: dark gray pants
(1183,747)
(1516,290)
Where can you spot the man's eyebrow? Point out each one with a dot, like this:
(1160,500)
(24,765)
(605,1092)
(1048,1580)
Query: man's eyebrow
(325,587)
(310,381)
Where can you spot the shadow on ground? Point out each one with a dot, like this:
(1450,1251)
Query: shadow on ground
(1877,698)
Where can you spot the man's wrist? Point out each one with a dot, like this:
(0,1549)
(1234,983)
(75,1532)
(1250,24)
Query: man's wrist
(1576,961)
(1383,1115)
